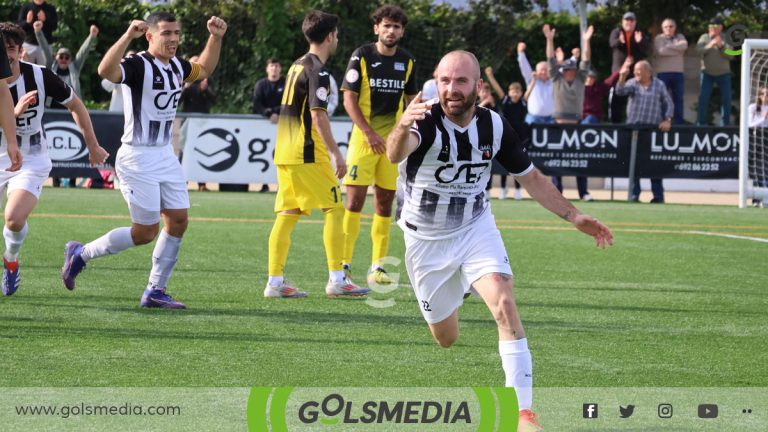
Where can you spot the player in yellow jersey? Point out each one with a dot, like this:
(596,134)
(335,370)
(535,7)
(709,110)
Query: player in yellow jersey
(303,152)
(378,84)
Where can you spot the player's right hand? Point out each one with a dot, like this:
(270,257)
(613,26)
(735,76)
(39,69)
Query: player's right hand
(30,98)
(415,111)
(137,29)
(340,164)
(378,146)
(97,155)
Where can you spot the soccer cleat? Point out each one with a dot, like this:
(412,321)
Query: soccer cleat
(379,277)
(11,277)
(528,421)
(345,288)
(347,270)
(73,263)
(157,298)
(284,290)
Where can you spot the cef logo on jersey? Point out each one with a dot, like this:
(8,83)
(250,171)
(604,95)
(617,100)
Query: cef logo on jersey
(65,143)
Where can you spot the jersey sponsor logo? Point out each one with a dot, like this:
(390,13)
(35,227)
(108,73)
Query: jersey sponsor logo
(323,74)
(322,94)
(163,100)
(217,155)
(375,65)
(354,58)
(466,173)
(65,143)
(399,66)
(352,76)
(387,83)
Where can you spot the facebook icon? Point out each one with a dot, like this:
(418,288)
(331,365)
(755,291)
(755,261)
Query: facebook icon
(590,410)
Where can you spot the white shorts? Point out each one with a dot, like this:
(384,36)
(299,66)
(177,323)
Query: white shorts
(33,173)
(442,271)
(151,179)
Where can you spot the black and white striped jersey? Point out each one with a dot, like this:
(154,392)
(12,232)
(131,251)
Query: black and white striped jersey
(443,180)
(151,95)
(30,134)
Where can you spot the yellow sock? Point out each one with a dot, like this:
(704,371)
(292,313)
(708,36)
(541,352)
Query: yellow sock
(351,232)
(280,242)
(380,237)
(333,237)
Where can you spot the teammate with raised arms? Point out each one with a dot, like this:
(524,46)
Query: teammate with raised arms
(151,179)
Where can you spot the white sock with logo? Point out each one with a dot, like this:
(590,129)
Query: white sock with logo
(164,259)
(336,276)
(518,369)
(115,241)
(13,242)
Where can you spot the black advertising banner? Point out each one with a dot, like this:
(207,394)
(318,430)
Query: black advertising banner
(689,152)
(66,145)
(581,150)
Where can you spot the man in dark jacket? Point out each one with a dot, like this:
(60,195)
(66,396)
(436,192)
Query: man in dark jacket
(626,41)
(38,10)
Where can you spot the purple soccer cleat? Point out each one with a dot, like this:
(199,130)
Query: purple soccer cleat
(11,277)
(157,298)
(73,263)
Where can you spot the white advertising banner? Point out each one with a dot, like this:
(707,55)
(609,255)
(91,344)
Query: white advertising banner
(237,150)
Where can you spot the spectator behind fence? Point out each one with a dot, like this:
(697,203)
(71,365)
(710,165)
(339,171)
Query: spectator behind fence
(626,41)
(669,47)
(268,95)
(38,10)
(116,103)
(595,92)
(568,81)
(715,69)
(196,97)
(513,108)
(649,104)
(758,118)
(67,68)
(538,95)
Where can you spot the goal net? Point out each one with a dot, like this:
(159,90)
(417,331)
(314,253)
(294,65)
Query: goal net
(753,169)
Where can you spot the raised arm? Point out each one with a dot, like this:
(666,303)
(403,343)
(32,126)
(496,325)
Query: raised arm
(109,68)
(549,35)
(209,58)
(522,60)
(494,84)
(85,48)
(42,42)
(587,38)
(401,142)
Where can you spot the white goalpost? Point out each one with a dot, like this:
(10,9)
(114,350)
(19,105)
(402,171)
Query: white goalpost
(753,150)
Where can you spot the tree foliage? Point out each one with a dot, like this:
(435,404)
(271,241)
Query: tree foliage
(259,29)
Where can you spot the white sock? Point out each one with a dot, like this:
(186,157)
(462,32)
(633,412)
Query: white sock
(164,259)
(13,242)
(336,276)
(275,280)
(518,368)
(115,241)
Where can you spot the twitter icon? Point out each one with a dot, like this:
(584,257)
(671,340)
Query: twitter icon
(626,412)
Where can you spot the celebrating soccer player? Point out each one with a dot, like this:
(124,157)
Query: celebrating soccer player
(30,84)
(452,244)
(303,152)
(378,84)
(151,179)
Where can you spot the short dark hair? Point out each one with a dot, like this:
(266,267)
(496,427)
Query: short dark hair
(318,25)
(273,60)
(13,33)
(157,17)
(390,12)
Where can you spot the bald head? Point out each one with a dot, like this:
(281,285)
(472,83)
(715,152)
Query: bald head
(643,72)
(460,57)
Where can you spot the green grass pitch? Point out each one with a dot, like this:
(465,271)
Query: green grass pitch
(666,306)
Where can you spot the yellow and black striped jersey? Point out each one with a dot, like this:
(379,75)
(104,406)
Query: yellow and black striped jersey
(381,82)
(307,87)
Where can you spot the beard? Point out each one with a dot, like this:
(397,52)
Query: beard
(456,108)
(389,44)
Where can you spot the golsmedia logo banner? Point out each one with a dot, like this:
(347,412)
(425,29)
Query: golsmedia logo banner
(284,409)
